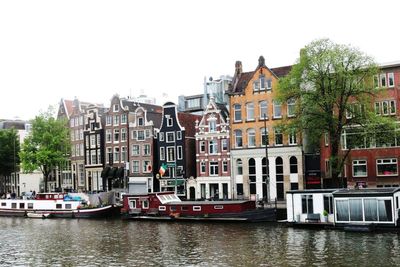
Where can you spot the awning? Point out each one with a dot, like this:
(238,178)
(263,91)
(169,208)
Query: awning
(104,172)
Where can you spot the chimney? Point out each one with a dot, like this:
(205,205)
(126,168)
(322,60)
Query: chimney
(238,68)
(261,62)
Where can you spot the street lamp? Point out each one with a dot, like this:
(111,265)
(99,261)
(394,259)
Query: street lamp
(266,156)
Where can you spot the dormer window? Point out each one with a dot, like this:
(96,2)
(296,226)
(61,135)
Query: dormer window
(116,108)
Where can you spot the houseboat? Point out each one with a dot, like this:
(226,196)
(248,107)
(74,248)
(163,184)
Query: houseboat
(53,205)
(168,206)
(359,209)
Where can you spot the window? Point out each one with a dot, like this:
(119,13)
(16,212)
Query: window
(391,79)
(58,206)
(278,137)
(213,147)
(135,150)
(123,119)
(256,85)
(251,138)
(292,137)
(213,168)
(376,81)
(385,108)
(264,136)
(307,204)
(237,111)
(135,166)
(108,119)
(146,166)
(124,153)
(252,175)
(263,109)
(116,135)
(30,205)
(92,141)
(170,137)
(238,138)
(212,126)
(269,84)
(140,135)
(179,152)
(293,164)
(170,154)
(146,150)
(392,109)
(326,139)
(328,204)
(203,167)
(161,136)
(382,79)
(145,204)
(202,146)
(196,208)
(224,166)
(359,168)
(179,135)
(109,155)
(169,122)
(378,108)
(277,109)
(116,154)
(116,108)
(116,119)
(386,167)
(140,121)
(291,108)
(239,166)
(162,153)
(123,134)
(250,111)
(224,144)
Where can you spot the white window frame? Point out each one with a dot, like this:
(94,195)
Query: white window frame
(133,166)
(179,152)
(213,167)
(170,122)
(224,144)
(225,166)
(168,155)
(178,135)
(276,133)
(359,162)
(390,79)
(251,136)
(146,147)
(115,108)
(213,147)
(168,137)
(382,77)
(277,107)
(392,107)
(387,161)
(236,138)
(250,111)
(203,167)
(144,166)
(237,109)
(291,107)
(134,150)
(202,146)
(292,138)
(263,109)
(162,153)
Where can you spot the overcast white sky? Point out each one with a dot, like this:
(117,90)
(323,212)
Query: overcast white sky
(94,49)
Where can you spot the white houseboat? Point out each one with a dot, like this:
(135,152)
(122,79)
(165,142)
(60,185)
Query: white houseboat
(345,208)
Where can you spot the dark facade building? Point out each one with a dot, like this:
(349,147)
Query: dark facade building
(176,150)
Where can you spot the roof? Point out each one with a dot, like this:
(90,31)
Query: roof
(133,105)
(311,191)
(281,71)
(188,121)
(366,192)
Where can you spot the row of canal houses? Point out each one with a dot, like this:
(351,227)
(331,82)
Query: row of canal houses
(220,153)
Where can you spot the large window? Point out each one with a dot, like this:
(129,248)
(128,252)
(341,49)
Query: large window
(364,210)
(359,168)
(238,138)
(307,204)
(237,111)
(250,111)
(386,167)
(213,147)
(251,138)
(213,168)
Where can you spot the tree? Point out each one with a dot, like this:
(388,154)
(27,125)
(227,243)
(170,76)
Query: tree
(46,147)
(9,148)
(333,86)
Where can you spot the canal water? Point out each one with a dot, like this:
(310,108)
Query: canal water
(70,242)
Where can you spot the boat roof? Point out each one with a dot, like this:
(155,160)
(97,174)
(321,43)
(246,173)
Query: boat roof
(312,191)
(208,202)
(368,192)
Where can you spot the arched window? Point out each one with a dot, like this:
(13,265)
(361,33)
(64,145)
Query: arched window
(293,164)
(252,176)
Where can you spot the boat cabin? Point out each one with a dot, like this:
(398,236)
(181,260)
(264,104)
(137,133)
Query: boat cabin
(309,205)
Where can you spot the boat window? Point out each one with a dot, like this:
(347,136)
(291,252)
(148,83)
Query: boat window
(3,204)
(184,208)
(161,208)
(218,207)
(22,205)
(196,208)
(13,205)
(172,208)
(67,206)
(132,203)
(145,204)
(58,206)
(30,205)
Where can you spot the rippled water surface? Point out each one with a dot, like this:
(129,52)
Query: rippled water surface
(63,242)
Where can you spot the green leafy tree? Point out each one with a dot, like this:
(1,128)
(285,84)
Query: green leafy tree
(9,148)
(333,86)
(47,146)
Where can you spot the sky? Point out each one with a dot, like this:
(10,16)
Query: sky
(92,50)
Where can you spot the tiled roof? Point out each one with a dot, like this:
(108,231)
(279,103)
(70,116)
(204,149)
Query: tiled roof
(281,71)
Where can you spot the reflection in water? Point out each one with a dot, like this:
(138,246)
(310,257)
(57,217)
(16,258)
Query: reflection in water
(129,243)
